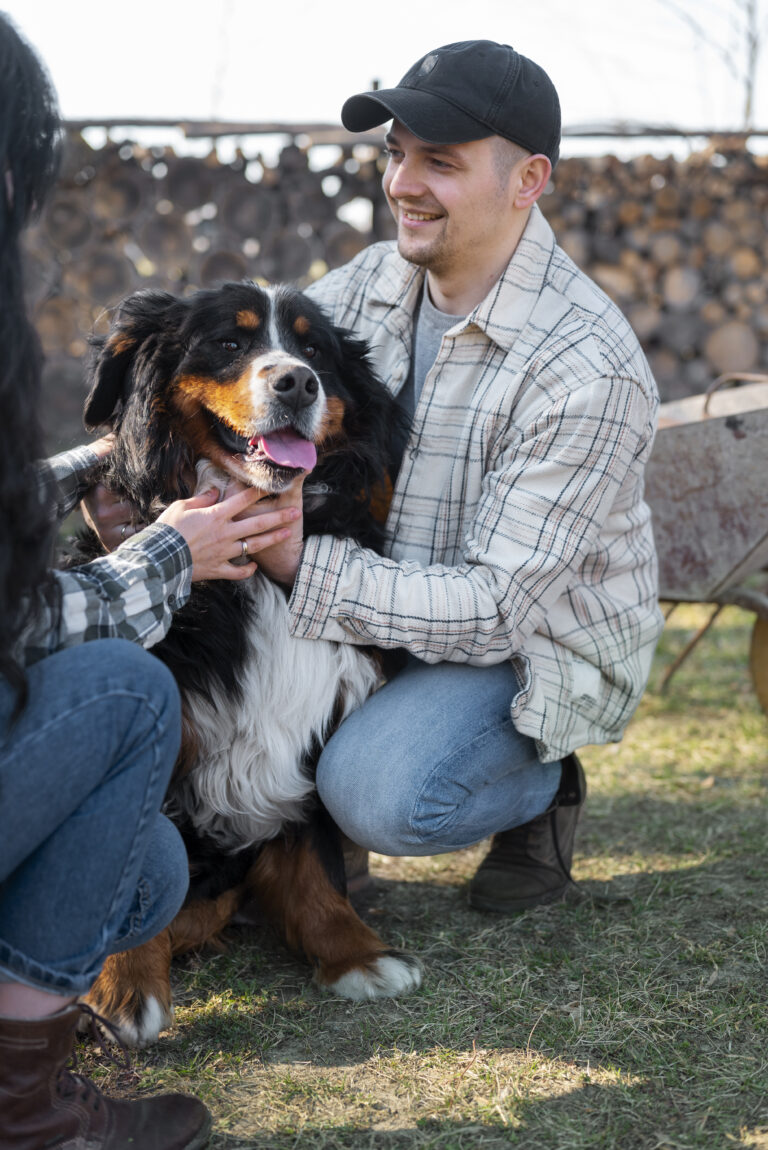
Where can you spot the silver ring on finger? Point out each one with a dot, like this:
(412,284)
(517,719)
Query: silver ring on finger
(244,545)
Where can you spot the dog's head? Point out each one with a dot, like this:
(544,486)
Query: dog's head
(256,380)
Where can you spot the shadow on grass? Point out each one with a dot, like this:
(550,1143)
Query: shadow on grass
(716,818)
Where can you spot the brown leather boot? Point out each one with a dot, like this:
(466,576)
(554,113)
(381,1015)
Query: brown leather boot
(44,1106)
(531,864)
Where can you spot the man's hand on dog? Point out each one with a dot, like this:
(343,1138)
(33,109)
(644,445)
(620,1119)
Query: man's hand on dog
(109,516)
(279,557)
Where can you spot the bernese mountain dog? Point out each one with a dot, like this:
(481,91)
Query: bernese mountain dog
(255,384)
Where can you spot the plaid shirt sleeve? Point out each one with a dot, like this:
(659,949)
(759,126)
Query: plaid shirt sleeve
(542,509)
(129,594)
(70,475)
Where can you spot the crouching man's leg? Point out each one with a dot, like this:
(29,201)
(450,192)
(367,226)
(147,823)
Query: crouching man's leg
(432,763)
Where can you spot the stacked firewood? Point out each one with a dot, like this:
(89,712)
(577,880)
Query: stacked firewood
(682,247)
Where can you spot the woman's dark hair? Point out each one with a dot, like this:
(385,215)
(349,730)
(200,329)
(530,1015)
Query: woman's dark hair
(29,146)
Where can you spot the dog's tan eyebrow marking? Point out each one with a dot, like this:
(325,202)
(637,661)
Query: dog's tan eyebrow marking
(301,325)
(248,319)
(119,343)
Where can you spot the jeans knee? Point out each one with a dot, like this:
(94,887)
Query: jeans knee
(445,813)
(150,687)
(143,673)
(374,818)
(162,694)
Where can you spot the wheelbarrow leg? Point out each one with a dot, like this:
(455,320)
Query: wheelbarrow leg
(678,662)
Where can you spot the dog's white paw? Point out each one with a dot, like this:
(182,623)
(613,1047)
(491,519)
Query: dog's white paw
(387,976)
(143,1028)
(134,1029)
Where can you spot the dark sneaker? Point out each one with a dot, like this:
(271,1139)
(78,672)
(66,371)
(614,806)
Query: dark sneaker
(531,864)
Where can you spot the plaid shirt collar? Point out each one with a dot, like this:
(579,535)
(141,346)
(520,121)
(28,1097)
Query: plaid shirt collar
(505,311)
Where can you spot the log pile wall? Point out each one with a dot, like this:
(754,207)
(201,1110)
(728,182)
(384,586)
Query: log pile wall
(681,246)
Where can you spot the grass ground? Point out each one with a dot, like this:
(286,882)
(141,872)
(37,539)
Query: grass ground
(634,1018)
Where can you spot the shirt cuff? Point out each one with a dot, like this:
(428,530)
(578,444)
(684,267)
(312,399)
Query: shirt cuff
(70,471)
(316,589)
(166,548)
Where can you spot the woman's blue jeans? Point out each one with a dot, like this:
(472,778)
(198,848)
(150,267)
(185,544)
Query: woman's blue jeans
(432,762)
(88,865)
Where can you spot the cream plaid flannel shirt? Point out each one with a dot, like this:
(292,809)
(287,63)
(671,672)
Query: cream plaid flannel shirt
(517,529)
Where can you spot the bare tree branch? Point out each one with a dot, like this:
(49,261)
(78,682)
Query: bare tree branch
(744,21)
(703,35)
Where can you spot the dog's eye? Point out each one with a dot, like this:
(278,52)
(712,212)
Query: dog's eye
(310,351)
(229,344)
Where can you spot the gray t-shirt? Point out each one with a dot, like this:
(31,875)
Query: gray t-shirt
(430,325)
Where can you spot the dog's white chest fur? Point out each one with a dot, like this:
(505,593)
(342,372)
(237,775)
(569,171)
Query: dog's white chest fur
(249,779)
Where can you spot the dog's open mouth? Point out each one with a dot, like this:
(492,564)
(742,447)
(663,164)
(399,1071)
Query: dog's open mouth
(283,448)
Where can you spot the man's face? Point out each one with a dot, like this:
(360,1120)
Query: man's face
(453,203)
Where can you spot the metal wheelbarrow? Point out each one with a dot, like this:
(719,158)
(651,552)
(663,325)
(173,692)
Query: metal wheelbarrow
(707,486)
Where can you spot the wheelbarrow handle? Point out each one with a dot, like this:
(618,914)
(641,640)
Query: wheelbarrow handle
(731,377)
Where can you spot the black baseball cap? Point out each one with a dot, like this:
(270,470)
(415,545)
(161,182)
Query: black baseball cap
(467,91)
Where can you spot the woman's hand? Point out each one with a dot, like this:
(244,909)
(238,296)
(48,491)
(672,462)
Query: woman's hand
(218,532)
(112,518)
(215,529)
(104,446)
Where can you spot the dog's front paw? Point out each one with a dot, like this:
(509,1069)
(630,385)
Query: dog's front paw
(135,1023)
(133,992)
(385,976)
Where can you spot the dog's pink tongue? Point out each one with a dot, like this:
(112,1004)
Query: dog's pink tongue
(289,449)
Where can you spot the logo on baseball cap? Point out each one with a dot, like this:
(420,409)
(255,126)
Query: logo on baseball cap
(467,91)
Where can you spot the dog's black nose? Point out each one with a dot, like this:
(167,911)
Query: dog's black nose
(296,387)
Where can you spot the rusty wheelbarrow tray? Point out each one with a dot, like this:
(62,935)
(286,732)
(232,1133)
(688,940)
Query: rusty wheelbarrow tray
(707,486)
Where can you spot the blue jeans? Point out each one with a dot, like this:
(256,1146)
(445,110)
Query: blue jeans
(432,762)
(88,865)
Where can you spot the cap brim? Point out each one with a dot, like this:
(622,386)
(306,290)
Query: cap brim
(429,117)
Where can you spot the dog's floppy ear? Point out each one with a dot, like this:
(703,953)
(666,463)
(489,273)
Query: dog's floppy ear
(136,320)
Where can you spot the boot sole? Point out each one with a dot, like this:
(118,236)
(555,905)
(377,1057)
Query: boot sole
(513,906)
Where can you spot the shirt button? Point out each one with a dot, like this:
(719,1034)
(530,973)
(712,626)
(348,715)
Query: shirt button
(172,601)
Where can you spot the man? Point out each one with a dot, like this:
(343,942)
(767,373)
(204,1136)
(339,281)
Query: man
(520,574)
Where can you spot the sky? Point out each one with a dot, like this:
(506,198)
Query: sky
(298,60)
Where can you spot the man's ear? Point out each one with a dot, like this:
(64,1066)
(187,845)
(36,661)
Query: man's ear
(533,176)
